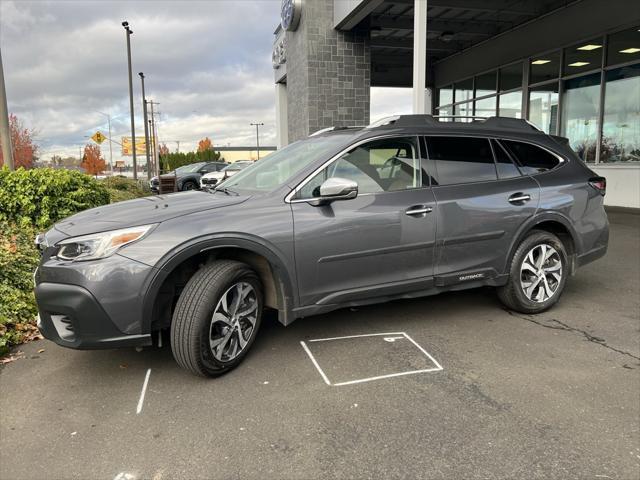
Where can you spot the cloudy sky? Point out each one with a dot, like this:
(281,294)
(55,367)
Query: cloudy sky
(208,64)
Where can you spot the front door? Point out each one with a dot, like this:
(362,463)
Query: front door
(482,202)
(378,243)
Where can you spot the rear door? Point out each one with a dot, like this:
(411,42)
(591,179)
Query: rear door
(482,201)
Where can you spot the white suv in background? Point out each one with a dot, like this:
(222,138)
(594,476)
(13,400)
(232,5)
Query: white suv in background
(210,180)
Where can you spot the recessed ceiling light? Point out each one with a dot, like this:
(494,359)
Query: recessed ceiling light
(540,62)
(630,50)
(589,47)
(578,64)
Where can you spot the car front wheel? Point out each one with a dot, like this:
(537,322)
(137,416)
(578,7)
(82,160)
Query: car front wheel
(216,318)
(537,275)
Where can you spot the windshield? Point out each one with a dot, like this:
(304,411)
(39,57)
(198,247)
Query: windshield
(274,170)
(194,167)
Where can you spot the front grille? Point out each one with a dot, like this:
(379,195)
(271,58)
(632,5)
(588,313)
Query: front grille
(209,181)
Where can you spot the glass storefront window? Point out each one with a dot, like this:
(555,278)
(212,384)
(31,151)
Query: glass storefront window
(486,84)
(580,103)
(511,77)
(543,107)
(486,107)
(583,57)
(463,110)
(445,95)
(445,112)
(511,105)
(545,67)
(464,90)
(621,125)
(624,47)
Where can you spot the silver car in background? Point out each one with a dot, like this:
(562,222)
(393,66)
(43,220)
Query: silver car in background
(210,180)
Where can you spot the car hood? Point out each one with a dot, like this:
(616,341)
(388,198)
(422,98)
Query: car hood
(143,211)
(213,175)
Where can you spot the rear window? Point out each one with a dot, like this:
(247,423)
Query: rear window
(462,159)
(531,158)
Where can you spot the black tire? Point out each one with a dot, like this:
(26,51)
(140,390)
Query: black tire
(189,185)
(512,295)
(193,316)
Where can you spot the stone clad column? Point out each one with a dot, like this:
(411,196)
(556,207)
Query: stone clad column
(328,73)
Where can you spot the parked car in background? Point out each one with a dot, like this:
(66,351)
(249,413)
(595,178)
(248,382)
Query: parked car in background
(404,208)
(188,176)
(212,179)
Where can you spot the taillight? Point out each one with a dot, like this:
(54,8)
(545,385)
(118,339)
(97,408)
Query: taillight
(599,183)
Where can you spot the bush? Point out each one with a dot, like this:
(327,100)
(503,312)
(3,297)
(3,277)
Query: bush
(18,259)
(42,196)
(171,161)
(121,188)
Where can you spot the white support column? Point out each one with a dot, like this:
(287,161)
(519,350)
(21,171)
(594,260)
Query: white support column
(420,57)
(282,123)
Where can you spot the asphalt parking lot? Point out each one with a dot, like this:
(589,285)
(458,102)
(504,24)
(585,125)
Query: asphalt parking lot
(551,396)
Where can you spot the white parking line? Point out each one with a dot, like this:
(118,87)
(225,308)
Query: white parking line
(389,337)
(143,392)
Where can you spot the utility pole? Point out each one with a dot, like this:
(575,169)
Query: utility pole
(146,127)
(258,125)
(154,133)
(129,32)
(110,141)
(5,131)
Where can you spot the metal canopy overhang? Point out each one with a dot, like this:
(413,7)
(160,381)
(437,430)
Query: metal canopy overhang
(452,26)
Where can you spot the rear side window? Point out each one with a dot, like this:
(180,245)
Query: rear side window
(504,165)
(531,158)
(462,159)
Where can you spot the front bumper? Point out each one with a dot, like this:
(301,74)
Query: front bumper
(93,304)
(70,316)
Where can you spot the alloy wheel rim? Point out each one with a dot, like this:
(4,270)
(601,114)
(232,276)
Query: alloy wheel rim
(233,322)
(541,273)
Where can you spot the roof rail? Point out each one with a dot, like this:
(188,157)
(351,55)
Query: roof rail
(332,129)
(433,120)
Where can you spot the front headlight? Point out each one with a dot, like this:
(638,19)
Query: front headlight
(100,245)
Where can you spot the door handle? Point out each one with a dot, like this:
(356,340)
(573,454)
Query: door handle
(418,210)
(519,198)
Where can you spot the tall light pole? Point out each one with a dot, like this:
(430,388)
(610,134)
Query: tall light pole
(129,32)
(146,126)
(110,141)
(257,125)
(5,131)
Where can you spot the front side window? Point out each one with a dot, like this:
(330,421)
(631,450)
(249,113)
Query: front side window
(387,165)
(462,159)
(531,158)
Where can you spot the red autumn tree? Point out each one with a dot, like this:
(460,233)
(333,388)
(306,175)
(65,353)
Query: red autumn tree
(22,141)
(164,150)
(205,144)
(92,160)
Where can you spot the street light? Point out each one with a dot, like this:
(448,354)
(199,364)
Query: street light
(129,32)
(146,126)
(257,125)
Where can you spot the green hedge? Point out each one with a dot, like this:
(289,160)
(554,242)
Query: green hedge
(42,196)
(31,201)
(18,259)
(121,188)
(171,161)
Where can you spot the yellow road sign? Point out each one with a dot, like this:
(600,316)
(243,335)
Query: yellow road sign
(98,137)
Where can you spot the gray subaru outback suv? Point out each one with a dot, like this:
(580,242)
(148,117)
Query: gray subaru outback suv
(404,208)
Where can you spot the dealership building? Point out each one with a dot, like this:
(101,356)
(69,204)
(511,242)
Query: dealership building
(572,68)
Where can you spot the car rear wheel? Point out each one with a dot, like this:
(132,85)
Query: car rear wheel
(216,318)
(537,275)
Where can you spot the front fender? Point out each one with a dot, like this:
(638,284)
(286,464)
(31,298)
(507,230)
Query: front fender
(286,283)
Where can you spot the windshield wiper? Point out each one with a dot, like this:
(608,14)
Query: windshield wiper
(226,191)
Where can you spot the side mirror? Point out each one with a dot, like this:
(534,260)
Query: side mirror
(336,188)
